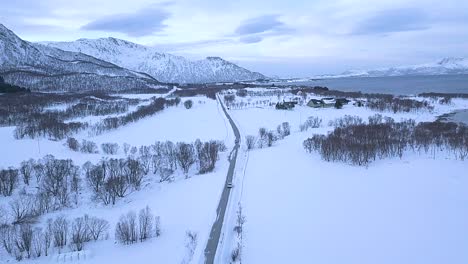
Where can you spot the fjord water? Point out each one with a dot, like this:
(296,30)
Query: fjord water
(398,85)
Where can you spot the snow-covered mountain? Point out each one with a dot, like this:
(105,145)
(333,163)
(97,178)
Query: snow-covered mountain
(40,67)
(444,66)
(162,66)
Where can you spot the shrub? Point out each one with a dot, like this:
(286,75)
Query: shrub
(188,104)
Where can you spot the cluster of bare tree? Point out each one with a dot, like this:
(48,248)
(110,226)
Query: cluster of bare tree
(157,105)
(87,146)
(360,144)
(347,120)
(311,122)
(34,115)
(266,138)
(48,127)
(396,104)
(131,229)
(111,179)
(57,181)
(25,241)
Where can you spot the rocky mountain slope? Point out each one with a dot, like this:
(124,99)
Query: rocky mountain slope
(162,66)
(39,67)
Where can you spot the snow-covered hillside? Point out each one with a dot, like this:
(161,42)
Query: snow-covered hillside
(40,67)
(444,66)
(162,66)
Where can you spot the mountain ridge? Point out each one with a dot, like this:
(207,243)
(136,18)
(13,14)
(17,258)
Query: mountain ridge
(449,65)
(40,67)
(163,66)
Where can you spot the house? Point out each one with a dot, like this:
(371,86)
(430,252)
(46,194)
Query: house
(327,102)
(316,103)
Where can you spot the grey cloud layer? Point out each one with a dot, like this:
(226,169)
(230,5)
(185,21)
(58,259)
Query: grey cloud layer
(395,20)
(142,23)
(254,30)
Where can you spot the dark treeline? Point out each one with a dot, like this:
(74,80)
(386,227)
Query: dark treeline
(8,88)
(47,126)
(359,144)
(209,92)
(396,104)
(444,95)
(324,91)
(157,105)
(32,117)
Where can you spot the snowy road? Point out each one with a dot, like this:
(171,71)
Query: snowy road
(213,241)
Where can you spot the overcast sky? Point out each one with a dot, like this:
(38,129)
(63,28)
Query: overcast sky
(276,37)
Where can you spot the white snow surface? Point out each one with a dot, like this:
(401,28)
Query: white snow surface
(183,205)
(301,209)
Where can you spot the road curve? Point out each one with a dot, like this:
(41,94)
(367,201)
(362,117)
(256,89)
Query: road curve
(213,240)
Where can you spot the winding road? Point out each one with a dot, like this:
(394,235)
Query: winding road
(213,241)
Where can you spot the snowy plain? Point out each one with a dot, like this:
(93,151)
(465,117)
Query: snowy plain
(182,205)
(301,209)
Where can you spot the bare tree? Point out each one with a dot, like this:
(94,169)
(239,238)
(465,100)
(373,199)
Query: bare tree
(48,236)
(185,154)
(157,225)
(126,229)
(145,223)
(79,234)
(73,144)
(22,209)
(24,239)
(26,169)
(8,181)
(250,141)
(97,228)
(191,244)
(37,242)
(110,148)
(8,238)
(60,231)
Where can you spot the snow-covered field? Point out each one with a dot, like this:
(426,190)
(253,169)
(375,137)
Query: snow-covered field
(204,121)
(301,209)
(183,205)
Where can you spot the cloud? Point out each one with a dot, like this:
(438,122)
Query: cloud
(394,20)
(254,30)
(181,46)
(141,23)
(250,39)
(259,25)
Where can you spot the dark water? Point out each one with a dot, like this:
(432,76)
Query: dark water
(402,85)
